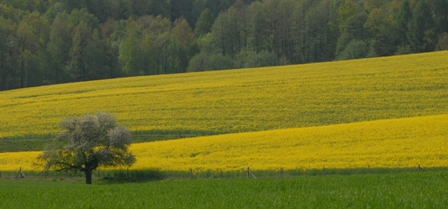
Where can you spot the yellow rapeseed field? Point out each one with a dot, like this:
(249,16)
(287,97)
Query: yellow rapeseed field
(248,100)
(13,161)
(393,143)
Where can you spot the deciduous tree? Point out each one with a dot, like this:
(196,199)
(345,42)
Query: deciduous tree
(8,55)
(346,10)
(421,34)
(57,50)
(204,23)
(92,141)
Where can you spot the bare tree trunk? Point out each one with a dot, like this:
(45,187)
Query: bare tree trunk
(88,173)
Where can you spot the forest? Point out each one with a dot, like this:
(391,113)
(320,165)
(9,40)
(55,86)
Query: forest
(46,42)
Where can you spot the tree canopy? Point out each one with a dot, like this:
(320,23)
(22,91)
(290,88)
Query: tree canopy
(47,42)
(92,141)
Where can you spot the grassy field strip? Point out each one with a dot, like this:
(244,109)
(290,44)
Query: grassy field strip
(395,143)
(403,190)
(236,101)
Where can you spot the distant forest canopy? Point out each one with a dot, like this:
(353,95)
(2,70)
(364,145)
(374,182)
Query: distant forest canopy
(55,41)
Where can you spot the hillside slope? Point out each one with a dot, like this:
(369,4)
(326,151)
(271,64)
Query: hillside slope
(242,100)
(394,143)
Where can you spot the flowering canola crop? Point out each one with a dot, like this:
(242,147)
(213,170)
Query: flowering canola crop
(244,100)
(393,143)
(385,143)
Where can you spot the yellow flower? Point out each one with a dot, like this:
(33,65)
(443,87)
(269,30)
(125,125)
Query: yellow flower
(235,101)
(395,143)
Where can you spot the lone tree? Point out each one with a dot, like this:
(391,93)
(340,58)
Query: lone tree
(93,140)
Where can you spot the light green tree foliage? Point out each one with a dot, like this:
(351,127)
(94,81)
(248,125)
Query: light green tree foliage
(92,141)
(156,39)
(225,33)
(163,47)
(214,61)
(346,10)
(355,49)
(181,45)
(280,13)
(26,43)
(370,5)
(149,54)
(249,58)
(57,50)
(148,46)
(95,59)
(385,32)
(82,15)
(353,30)
(32,34)
(183,33)
(130,55)
(204,23)
(260,36)
(159,25)
(298,32)
(83,28)
(29,5)
(320,35)
(35,29)
(209,57)
(76,68)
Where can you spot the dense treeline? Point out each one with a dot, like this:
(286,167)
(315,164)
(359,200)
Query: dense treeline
(55,41)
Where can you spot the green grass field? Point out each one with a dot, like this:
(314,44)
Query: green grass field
(427,189)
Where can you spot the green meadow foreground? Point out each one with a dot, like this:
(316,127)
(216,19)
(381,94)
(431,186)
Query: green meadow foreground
(427,189)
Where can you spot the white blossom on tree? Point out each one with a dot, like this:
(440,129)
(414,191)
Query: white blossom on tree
(93,140)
